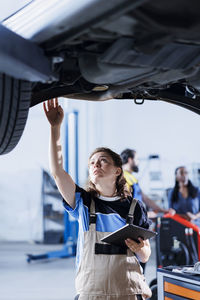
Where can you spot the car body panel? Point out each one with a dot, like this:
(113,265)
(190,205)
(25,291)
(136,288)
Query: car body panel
(23,59)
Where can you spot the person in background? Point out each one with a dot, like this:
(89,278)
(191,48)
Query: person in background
(184,197)
(103,271)
(130,164)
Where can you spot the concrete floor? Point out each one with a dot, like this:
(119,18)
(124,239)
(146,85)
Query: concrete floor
(51,279)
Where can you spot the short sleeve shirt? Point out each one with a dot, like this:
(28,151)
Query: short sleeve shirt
(111,215)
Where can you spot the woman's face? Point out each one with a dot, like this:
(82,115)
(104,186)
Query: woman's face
(102,168)
(182,175)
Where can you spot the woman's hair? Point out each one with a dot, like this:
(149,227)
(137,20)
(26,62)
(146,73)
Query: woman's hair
(192,190)
(120,181)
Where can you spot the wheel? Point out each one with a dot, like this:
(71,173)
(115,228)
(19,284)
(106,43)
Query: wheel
(15,98)
(153,282)
(154,290)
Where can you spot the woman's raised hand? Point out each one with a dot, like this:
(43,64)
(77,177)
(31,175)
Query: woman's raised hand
(54,112)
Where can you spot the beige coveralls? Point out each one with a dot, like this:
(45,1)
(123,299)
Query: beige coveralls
(108,276)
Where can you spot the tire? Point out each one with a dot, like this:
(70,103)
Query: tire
(153,282)
(154,290)
(15,98)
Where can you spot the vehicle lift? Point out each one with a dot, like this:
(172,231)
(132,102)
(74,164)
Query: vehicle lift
(70,225)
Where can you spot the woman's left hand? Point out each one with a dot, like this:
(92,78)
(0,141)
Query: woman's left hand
(133,246)
(191,216)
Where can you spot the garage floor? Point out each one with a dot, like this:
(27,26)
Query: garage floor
(44,279)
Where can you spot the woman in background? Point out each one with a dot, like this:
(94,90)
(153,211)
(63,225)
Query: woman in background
(184,198)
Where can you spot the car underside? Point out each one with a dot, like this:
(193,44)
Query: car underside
(122,49)
(149,50)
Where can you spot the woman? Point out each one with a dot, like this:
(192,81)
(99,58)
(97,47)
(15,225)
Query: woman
(184,198)
(103,271)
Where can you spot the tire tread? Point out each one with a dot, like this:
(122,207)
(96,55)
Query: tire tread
(15,98)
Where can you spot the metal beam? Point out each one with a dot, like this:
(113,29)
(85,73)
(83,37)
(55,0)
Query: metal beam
(22,59)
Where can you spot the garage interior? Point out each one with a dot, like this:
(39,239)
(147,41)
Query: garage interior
(38,238)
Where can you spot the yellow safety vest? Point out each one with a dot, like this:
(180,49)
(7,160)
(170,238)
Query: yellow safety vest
(130,180)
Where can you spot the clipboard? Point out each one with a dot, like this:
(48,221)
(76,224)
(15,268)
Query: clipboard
(131,231)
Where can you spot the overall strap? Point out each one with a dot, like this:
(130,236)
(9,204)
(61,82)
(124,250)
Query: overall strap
(92,213)
(130,217)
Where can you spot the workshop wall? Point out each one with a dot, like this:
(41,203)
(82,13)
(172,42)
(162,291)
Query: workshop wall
(160,128)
